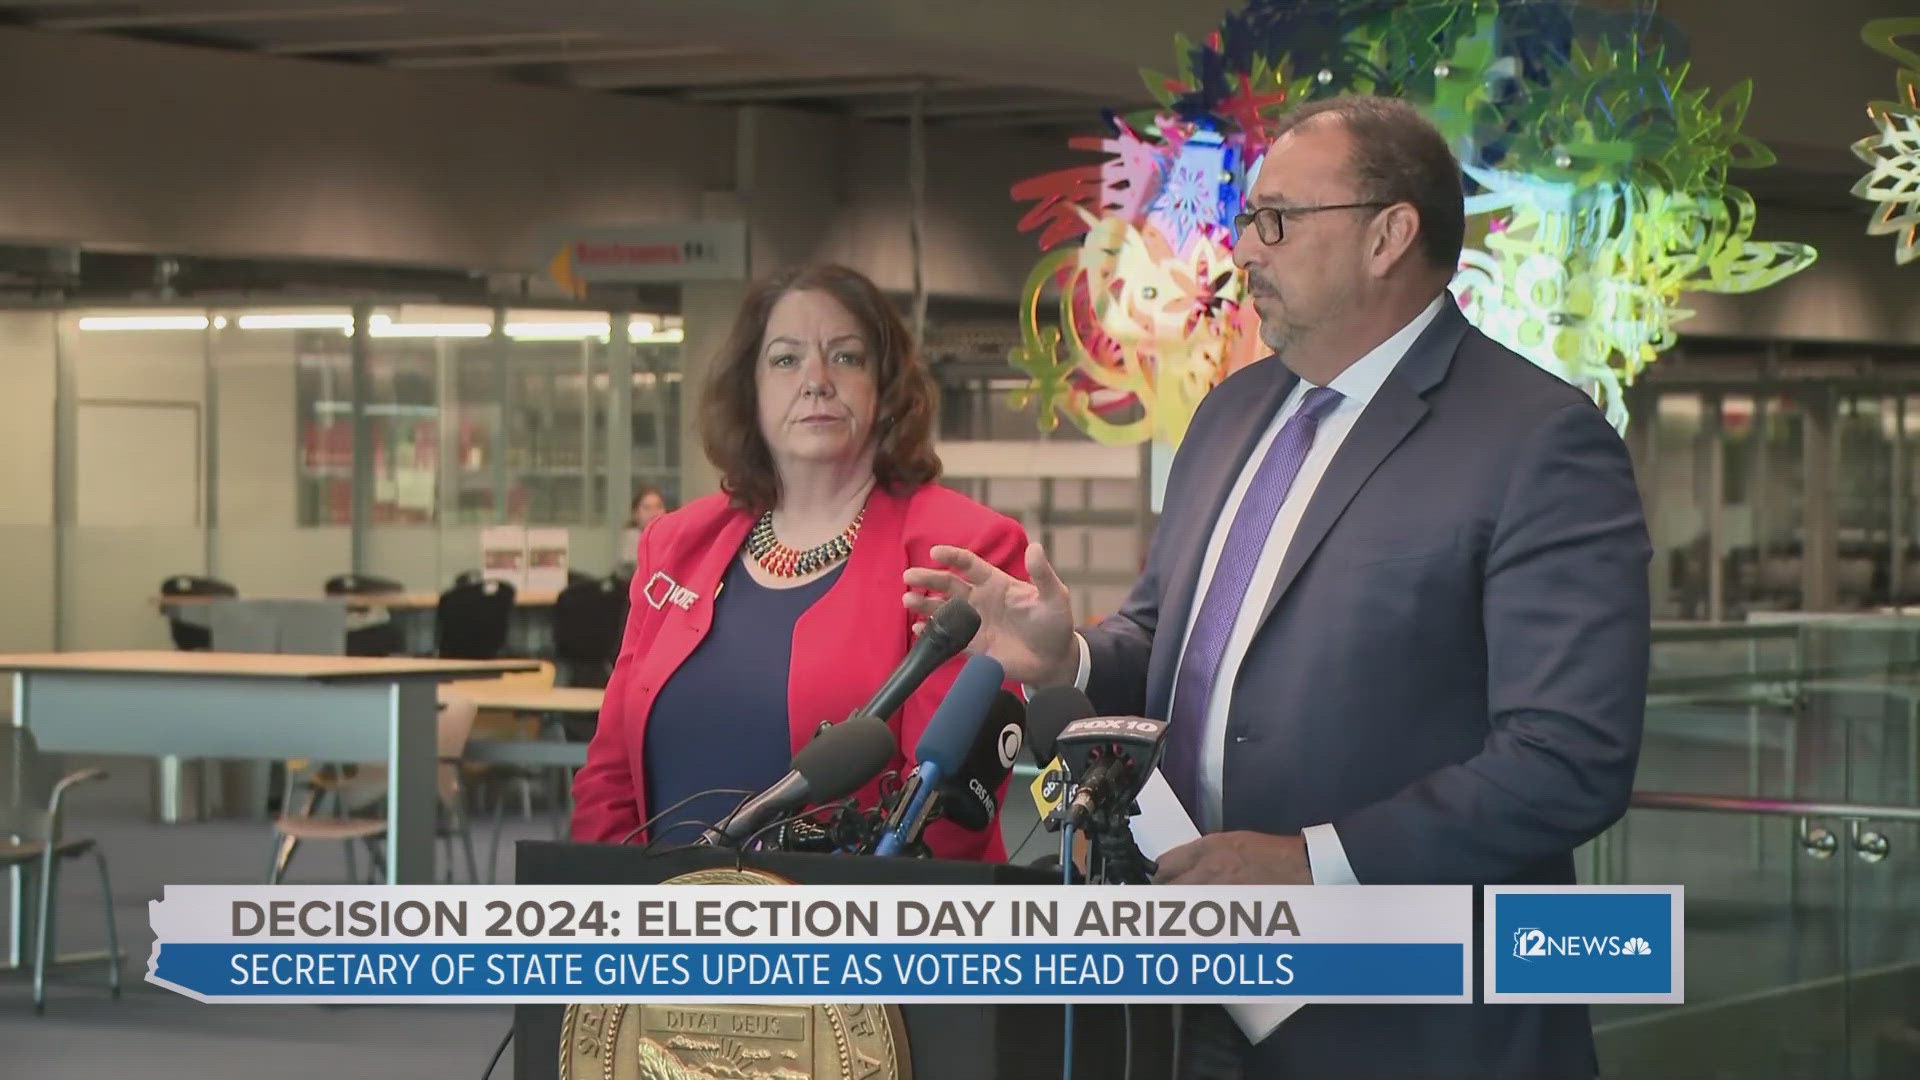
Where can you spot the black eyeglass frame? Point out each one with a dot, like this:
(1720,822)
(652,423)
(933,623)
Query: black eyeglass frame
(1272,219)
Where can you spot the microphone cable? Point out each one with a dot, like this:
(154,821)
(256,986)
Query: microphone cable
(684,845)
(1025,839)
(497,1051)
(650,822)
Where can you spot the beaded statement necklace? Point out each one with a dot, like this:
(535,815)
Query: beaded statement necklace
(780,560)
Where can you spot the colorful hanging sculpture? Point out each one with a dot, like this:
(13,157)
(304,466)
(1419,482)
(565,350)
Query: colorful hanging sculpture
(1615,203)
(1894,154)
(1600,180)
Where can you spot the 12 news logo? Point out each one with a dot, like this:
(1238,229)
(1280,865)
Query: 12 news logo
(1529,942)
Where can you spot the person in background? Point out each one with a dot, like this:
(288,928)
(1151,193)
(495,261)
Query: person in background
(648,505)
(772,607)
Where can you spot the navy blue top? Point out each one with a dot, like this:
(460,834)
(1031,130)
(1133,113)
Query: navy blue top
(720,721)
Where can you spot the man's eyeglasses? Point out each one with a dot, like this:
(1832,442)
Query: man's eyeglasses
(1270,222)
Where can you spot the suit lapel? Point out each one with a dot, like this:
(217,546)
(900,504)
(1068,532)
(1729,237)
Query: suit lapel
(1392,414)
(1238,435)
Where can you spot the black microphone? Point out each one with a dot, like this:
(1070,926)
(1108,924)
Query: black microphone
(804,834)
(943,637)
(832,766)
(972,796)
(846,828)
(1048,713)
(1109,758)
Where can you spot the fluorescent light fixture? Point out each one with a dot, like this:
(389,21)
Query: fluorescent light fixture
(143,322)
(574,326)
(219,322)
(382,326)
(430,330)
(556,331)
(298,320)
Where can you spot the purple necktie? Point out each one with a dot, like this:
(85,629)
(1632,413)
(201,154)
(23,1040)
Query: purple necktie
(1232,573)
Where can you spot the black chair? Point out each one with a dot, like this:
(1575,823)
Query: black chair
(187,636)
(472,620)
(589,618)
(384,638)
(361,585)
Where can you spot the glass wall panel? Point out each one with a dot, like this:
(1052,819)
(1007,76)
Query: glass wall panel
(1863,510)
(550,427)
(1678,500)
(136,499)
(221,440)
(283,521)
(659,401)
(406,349)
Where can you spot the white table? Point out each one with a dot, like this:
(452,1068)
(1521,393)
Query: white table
(533,700)
(510,697)
(258,706)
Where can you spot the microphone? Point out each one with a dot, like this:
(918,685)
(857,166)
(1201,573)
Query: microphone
(1109,758)
(942,747)
(849,828)
(972,796)
(1048,713)
(944,635)
(832,766)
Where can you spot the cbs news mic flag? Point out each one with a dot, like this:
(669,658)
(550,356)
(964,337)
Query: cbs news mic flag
(753,944)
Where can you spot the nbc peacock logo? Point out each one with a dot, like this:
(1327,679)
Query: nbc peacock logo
(1636,946)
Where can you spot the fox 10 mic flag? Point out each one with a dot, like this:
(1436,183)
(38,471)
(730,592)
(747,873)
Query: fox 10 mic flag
(882,944)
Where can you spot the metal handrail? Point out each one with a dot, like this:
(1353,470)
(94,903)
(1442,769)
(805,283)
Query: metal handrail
(1668,633)
(1722,804)
(1671,684)
(1738,804)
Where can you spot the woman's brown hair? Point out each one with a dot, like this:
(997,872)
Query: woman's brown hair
(903,414)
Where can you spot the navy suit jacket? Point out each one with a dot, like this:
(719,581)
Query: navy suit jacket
(1452,667)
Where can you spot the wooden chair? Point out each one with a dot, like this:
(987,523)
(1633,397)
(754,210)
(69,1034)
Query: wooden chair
(502,724)
(364,789)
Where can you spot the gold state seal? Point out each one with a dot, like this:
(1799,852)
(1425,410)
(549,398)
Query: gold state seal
(733,1042)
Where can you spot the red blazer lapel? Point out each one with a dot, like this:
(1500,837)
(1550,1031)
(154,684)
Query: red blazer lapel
(848,642)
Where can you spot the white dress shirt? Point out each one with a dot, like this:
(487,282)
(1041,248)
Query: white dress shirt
(1357,386)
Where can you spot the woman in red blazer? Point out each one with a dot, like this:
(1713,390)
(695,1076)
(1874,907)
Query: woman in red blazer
(760,613)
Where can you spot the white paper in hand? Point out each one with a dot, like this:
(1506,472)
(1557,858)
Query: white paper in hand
(1163,825)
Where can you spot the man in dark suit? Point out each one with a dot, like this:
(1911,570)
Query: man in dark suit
(1396,610)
